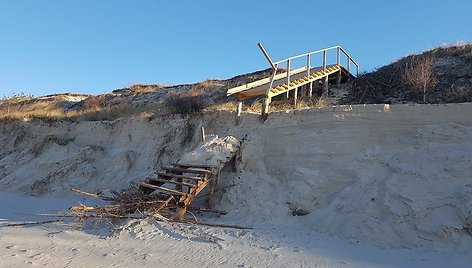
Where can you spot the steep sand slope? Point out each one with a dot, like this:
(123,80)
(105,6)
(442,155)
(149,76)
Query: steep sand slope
(390,175)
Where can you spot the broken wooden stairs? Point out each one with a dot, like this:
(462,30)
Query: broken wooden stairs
(187,182)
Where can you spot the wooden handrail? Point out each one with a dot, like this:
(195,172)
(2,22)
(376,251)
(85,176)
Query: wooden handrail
(288,61)
(324,51)
(305,54)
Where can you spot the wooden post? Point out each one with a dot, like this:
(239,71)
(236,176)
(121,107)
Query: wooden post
(310,89)
(338,56)
(180,215)
(325,86)
(324,60)
(288,78)
(338,79)
(212,196)
(295,97)
(239,109)
(203,134)
(349,64)
(265,105)
(308,66)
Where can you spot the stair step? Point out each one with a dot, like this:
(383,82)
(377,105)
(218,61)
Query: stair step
(188,170)
(150,186)
(170,175)
(171,181)
(193,166)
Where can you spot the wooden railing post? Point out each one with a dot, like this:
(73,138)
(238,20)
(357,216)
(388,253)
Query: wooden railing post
(288,77)
(338,56)
(324,60)
(308,65)
(308,70)
(348,64)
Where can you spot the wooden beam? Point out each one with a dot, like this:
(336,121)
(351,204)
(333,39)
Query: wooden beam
(188,170)
(173,182)
(202,132)
(266,55)
(170,175)
(193,165)
(150,186)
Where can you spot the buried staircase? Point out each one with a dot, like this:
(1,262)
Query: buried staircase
(177,185)
(187,182)
(288,81)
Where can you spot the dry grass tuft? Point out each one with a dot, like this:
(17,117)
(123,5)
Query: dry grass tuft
(285,105)
(92,110)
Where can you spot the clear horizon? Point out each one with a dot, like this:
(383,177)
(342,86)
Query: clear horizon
(93,47)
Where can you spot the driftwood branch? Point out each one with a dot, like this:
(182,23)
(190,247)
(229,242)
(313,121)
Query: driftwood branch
(30,223)
(87,194)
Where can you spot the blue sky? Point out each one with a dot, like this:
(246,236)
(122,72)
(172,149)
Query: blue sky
(92,46)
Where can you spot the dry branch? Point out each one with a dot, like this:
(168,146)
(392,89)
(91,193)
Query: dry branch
(30,223)
(134,205)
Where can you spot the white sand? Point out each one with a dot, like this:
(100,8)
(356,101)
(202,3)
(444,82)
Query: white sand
(384,185)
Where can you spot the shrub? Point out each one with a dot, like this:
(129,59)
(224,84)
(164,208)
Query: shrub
(93,102)
(189,103)
(419,73)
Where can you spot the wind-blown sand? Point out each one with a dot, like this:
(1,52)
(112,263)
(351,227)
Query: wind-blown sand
(383,185)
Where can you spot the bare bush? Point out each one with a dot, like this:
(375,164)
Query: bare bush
(419,73)
(187,103)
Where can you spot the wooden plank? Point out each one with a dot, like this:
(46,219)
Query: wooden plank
(188,170)
(193,166)
(170,175)
(150,186)
(173,182)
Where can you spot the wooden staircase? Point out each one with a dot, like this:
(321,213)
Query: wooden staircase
(293,79)
(280,86)
(179,184)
